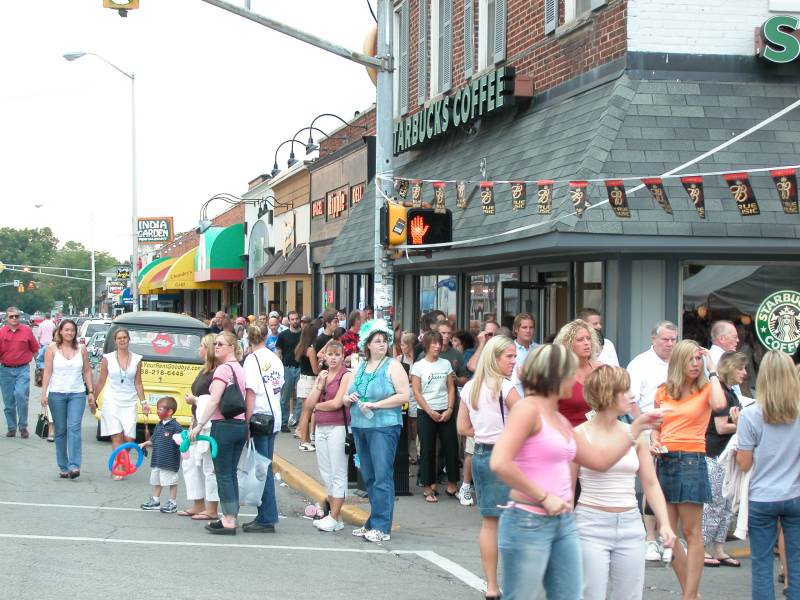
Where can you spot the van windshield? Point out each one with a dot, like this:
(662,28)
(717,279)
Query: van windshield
(169,346)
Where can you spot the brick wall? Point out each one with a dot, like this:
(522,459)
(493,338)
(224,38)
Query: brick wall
(350,133)
(189,239)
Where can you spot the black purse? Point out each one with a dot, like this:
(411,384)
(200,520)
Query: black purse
(42,425)
(262,424)
(349,440)
(232,402)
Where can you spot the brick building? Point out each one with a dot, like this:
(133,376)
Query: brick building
(506,90)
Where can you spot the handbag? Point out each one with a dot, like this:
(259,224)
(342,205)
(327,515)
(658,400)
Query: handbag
(262,424)
(42,425)
(349,440)
(232,402)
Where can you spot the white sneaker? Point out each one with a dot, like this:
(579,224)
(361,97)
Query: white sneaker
(377,536)
(666,556)
(653,552)
(465,495)
(360,532)
(317,522)
(330,524)
(307,447)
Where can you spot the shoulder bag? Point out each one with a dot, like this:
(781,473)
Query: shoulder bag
(232,402)
(262,424)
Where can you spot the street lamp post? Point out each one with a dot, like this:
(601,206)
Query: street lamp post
(70,56)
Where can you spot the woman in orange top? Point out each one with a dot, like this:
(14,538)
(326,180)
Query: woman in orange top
(691,392)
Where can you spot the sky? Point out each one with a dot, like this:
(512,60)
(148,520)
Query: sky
(215,95)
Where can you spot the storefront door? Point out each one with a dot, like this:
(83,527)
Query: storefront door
(547,302)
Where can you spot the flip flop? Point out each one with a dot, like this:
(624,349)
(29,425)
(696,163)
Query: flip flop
(710,561)
(186,513)
(430,497)
(202,517)
(728,561)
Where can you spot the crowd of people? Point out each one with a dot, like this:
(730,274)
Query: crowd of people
(581,470)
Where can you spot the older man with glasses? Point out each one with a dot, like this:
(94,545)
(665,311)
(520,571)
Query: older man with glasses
(18,346)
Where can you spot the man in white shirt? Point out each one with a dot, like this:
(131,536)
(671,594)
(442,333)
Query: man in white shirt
(522,329)
(724,338)
(648,371)
(44,333)
(608,354)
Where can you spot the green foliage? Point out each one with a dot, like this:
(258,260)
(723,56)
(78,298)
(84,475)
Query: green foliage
(38,247)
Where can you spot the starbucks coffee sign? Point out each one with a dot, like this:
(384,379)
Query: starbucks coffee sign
(482,96)
(778,321)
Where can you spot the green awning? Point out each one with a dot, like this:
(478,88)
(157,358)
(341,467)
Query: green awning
(219,255)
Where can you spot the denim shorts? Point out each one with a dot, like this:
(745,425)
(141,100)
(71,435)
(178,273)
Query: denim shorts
(490,490)
(684,477)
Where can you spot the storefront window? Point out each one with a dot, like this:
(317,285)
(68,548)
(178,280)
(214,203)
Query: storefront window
(343,299)
(298,296)
(257,255)
(438,292)
(484,294)
(589,286)
(329,292)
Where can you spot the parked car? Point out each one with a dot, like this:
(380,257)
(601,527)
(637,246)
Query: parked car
(95,347)
(91,326)
(169,345)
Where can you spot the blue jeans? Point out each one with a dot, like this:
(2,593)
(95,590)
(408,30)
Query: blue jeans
(230,435)
(268,511)
(290,377)
(762,527)
(536,549)
(376,447)
(67,412)
(15,384)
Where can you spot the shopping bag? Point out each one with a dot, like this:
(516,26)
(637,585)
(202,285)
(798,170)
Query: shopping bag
(252,475)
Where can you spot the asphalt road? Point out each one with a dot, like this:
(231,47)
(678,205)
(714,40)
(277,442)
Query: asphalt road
(87,537)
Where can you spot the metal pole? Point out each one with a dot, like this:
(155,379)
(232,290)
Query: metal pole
(134,201)
(383,276)
(91,235)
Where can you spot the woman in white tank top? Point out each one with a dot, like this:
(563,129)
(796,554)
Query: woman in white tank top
(609,523)
(66,379)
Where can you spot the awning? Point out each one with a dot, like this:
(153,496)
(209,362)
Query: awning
(181,275)
(295,264)
(151,271)
(219,255)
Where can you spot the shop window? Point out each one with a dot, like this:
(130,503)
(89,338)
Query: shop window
(257,256)
(262,298)
(438,292)
(343,299)
(589,286)
(298,296)
(484,295)
(329,292)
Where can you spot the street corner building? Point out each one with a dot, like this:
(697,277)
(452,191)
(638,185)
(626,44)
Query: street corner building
(632,156)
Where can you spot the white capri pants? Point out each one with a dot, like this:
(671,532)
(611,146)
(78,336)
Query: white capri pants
(612,549)
(198,473)
(332,459)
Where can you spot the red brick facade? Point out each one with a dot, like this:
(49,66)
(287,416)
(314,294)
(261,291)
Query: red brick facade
(189,239)
(351,134)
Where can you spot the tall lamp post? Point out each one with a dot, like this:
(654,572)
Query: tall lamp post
(70,56)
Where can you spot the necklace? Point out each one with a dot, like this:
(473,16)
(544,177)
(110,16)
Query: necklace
(123,371)
(362,392)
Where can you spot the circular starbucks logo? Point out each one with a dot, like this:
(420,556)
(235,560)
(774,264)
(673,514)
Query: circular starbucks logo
(778,321)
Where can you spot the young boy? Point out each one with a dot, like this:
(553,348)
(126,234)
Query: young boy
(166,460)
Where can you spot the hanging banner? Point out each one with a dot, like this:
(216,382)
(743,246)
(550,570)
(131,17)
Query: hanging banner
(544,197)
(656,187)
(617,198)
(487,197)
(416,193)
(786,184)
(519,193)
(461,194)
(401,185)
(694,187)
(577,195)
(742,192)
(438,197)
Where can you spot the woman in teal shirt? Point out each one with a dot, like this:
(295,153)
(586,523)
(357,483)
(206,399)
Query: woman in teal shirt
(379,389)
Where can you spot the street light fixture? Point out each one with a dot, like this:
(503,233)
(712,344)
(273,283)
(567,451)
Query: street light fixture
(275,169)
(71,56)
(205,223)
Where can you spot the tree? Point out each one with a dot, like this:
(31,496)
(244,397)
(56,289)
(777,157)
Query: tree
(23,247)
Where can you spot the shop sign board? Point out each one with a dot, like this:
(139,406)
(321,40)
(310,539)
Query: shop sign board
(336,202)
(155,230)
(779,39)
(778,321)
(356,193)
(482,96)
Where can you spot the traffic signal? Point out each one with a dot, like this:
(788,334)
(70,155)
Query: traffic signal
(17,283)
(426,226)
(393,224)
(21,289)
(31,285)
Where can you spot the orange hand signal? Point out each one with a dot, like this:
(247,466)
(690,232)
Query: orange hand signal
(418,229)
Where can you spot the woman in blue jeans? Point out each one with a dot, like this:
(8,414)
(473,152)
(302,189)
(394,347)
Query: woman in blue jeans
(379,389)
(65,381)
(767,434)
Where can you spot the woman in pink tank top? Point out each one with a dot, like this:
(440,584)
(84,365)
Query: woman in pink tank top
(538,539)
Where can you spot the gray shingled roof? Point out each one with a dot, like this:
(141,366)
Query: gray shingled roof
(625,127)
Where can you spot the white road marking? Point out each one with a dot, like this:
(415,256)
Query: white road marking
(456,570)
(87,507)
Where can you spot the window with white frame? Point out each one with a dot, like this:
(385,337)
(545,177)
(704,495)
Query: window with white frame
(574,9)
(400,45)
(441,46)
(491,32)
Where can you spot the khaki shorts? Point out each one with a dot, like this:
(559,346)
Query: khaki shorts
(469,445)
(163,477)
(305,385)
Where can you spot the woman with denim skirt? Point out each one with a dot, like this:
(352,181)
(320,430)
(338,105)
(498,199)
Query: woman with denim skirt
(687,398)
(379,389)
(538,539)
(230,434)
(609,523)
(66,379)
(485,403)
(767,435)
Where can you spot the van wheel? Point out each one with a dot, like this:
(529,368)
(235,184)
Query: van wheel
(101,438)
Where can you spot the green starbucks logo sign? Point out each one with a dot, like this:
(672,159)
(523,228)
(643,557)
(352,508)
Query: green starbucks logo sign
(778,321)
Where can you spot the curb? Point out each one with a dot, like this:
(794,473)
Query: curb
(300,481)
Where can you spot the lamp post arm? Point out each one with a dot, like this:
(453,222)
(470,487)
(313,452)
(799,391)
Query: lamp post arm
(337,117)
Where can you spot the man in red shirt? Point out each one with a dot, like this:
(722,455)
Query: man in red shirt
(17,349)
(349,338)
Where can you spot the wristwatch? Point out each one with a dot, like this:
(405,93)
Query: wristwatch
(713,374)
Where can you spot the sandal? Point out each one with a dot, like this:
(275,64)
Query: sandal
(430,497)
(710,561)
(186,513)
(202,517)
(728,561)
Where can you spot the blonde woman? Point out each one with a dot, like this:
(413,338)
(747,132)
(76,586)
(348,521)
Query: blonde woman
(538,539)
(579,337)
(609,523)
(767,443)
(486,401)
(198,468)
(688,399)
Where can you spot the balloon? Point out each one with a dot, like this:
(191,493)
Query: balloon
(119,463)
(184,446)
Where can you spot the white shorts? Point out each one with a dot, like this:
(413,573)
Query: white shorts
(305,385)
(469,445)
(118,419)
(163,477)
(413,407)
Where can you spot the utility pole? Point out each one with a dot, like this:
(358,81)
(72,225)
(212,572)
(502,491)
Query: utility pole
(383,281)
